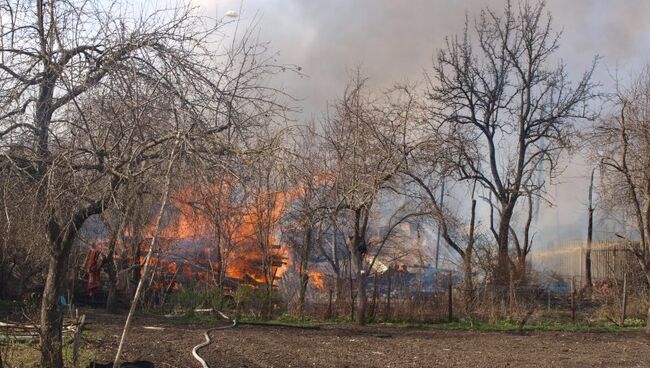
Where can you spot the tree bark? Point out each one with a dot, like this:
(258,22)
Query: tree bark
(109,262)
(304,281)
(340,281)
(362,286)
(304,276)
(51,316)
(590,230)
(523,271)
(468,282)
(111,298)
(358,253)
(502,271)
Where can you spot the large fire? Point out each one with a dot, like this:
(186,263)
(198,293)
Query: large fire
(205,228)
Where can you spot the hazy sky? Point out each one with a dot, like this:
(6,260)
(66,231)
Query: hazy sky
(394,41)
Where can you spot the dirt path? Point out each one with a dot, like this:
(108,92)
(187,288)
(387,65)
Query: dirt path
(263,346)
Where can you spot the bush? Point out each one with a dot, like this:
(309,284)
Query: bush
(191,297)
(258,302)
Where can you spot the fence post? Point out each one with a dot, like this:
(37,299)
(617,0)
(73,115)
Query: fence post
(573,300)
(450,299)
(624,301)
(390,280)
(548,300)
(77,340)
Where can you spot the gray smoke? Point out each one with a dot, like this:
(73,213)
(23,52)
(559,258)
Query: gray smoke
(394,41)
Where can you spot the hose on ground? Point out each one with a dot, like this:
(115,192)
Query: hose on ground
(207,341)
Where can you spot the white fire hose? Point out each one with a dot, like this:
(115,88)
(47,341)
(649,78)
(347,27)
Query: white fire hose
(207,341)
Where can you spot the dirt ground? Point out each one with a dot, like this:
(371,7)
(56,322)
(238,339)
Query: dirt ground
(350,346)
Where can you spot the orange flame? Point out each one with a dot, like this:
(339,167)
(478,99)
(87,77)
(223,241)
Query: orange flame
(317,279)
(252,252)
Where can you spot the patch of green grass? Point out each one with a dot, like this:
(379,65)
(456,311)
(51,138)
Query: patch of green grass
(27,354)
(635,322)
(285,321)
(514,327)
(282,320)
(194,318)
(20,354)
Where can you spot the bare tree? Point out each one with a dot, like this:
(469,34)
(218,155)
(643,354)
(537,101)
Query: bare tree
(92,93)
(265,198)
(302,224)
(460,234)
(220,198)
(506,106)
(621,142)
(361,139)
(331,247)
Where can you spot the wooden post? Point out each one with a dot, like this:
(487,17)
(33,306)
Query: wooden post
(624,301)
(152,245)
(450,299)
(390,284)
(548,300)
(76,340)
(573,300)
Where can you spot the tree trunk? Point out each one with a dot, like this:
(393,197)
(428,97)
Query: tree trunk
(522,270)
(340,281)
(304,276)
(61,241)
(219,269)
(111,298)
(352,295)
(267,311)
(357,254)
(502,271)
(51,316)
(590,230)
(304,281)
(468,282)
(3,286)
(111,271)
(362,286)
